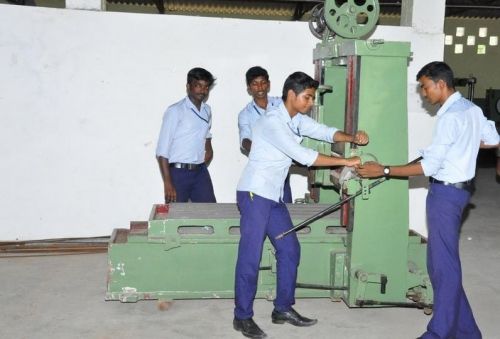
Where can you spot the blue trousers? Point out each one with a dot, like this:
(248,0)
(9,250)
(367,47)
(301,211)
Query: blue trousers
(195,185)
(261,217)
(452,315)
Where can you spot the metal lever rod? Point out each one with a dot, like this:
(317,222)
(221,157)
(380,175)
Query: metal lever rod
(328,210)
(335,206)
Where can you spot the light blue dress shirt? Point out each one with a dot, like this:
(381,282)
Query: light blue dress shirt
(276,141)
(251,113)
(184,131)
(459,130)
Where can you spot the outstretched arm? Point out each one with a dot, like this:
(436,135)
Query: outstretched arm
(360,138)
(375,170)
(328,161)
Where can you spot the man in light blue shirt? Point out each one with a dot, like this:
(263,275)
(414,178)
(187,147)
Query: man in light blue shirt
(258,86)
(184,146)
(276,141)
(450,163)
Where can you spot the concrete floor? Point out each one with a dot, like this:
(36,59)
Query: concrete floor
(63,297)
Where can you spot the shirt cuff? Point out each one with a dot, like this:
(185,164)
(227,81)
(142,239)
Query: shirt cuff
(331,133)
(310,157)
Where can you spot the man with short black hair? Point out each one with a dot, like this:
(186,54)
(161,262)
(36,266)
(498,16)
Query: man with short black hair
(276,138)
(185,143)
(258,86)
(450,163)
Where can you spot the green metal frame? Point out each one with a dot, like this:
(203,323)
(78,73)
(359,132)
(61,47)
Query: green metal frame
(384,263)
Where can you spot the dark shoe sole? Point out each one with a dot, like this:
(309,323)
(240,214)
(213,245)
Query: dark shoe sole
(281,322)
(239,329)
(278,321)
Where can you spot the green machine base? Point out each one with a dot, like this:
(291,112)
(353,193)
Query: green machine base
(188,251)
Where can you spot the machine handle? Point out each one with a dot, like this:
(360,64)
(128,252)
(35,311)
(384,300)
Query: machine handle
(335,206)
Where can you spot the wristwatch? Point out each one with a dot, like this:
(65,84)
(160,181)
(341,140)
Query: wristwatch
(387,170)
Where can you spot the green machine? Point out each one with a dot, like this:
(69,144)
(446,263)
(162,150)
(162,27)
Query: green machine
(363,86)
(363,253)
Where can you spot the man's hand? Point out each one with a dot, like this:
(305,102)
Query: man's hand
(208,157)
(246,145)
(170,193)
(370,169)
(361,138)
(353,162)
(209,152)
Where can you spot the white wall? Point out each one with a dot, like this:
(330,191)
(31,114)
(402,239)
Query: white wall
(82,95)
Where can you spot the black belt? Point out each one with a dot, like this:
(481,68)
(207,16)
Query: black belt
(464,185)
(185,166)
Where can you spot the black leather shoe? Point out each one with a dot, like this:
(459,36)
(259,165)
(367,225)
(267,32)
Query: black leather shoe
(292,317)
(248,328)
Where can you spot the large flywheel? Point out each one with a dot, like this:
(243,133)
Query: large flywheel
(346,18)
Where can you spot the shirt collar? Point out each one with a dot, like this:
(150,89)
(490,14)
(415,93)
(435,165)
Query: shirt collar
(259,109)
(284,115)
(450,101)
(190,104)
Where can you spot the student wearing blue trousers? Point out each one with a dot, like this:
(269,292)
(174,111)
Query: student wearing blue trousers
(450,163)
(184,147)
(276,138)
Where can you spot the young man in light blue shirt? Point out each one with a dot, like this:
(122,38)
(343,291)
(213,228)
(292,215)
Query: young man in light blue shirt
(450,163)
(258,86)
(276,141)
(185,143)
